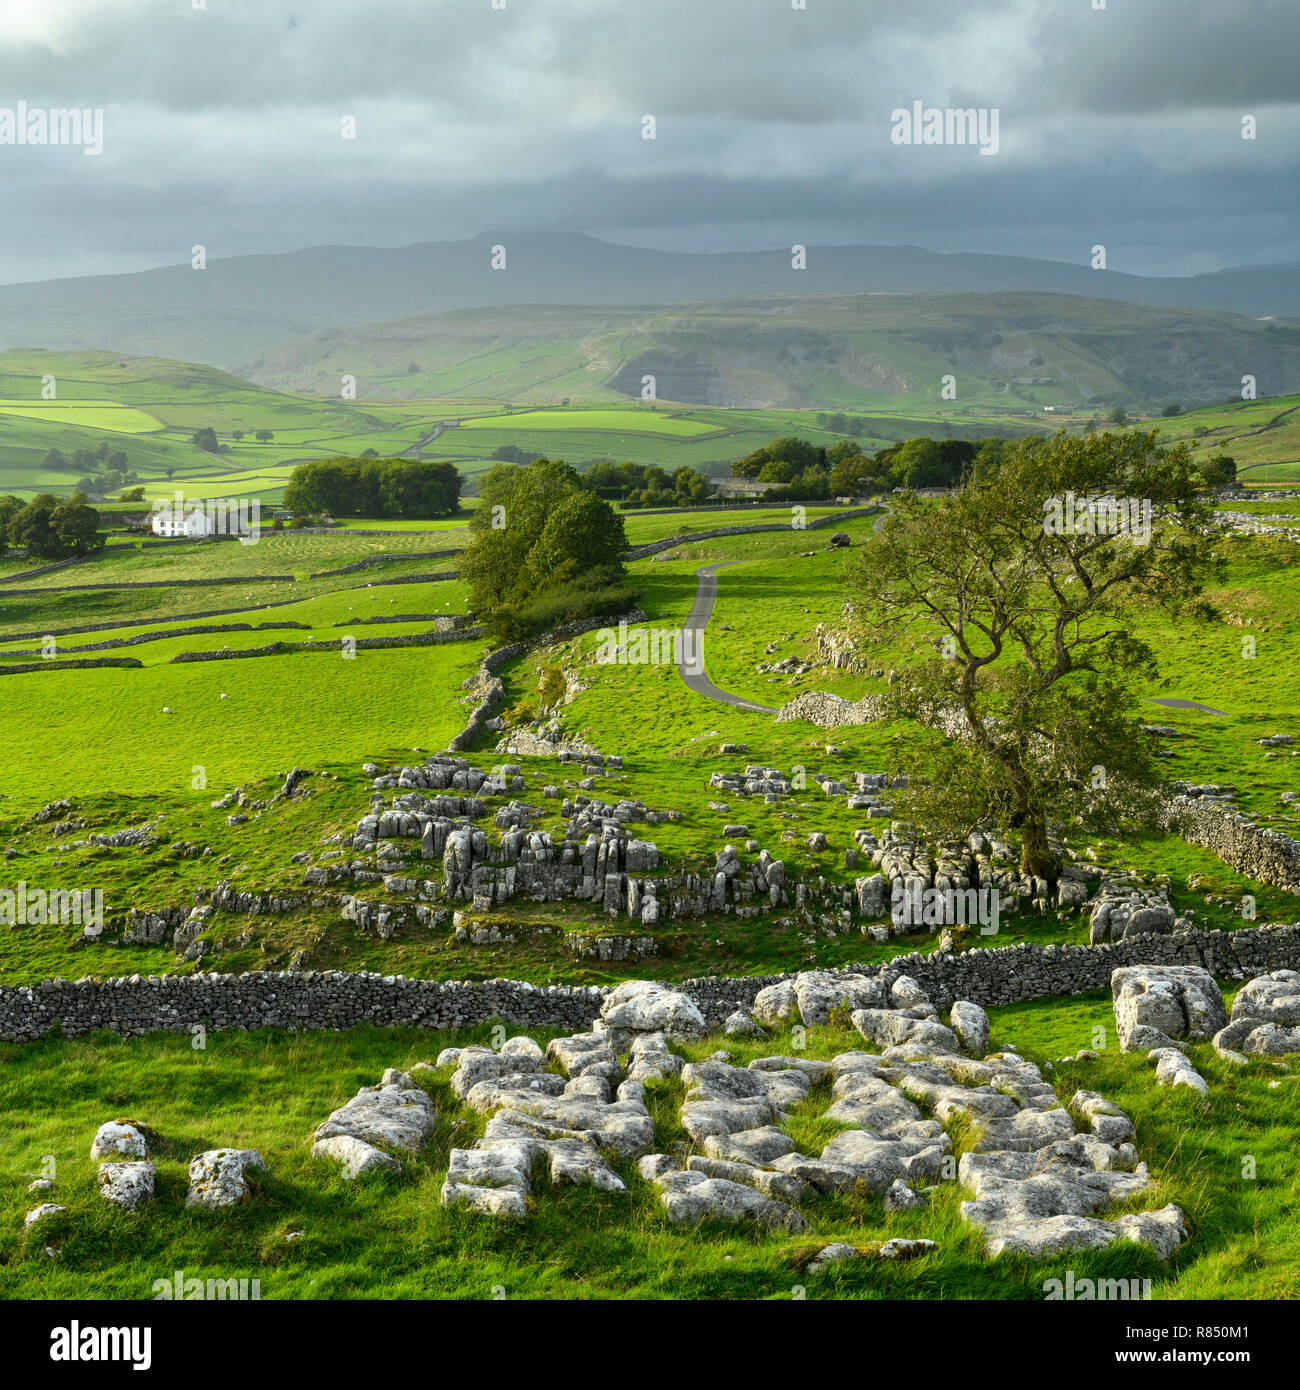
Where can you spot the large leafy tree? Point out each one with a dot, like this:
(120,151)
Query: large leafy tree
(54,530)
(1020,642)
(537,531)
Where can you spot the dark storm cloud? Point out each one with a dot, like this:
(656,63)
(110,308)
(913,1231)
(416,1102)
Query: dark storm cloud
(223,125)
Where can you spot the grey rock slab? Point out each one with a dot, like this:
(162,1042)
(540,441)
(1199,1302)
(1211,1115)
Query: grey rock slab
(217,1177)
(354,1156)
(645,1006)
(691,1198)
(473,1068)
(784,1187)
(127,1183)
(390,1117)
(708,1117)
(971,1025)
(760,1146)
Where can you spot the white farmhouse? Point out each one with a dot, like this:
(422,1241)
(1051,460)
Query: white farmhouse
(175,521)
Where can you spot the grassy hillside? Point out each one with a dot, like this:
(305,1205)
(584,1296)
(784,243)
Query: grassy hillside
(885,352)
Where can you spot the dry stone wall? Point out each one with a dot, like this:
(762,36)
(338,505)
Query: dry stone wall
(336,999)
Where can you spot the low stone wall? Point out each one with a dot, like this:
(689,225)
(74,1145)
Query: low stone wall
(336,999)
(56,665)
(494,691)
(1265,855)
(655,547)
(372,560)
(196,630)
(305,1001)
(414,639)
(156,584)
(104,626)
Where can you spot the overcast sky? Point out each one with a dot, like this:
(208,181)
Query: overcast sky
(222,125)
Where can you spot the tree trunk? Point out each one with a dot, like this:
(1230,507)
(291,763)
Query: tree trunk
(1036,854)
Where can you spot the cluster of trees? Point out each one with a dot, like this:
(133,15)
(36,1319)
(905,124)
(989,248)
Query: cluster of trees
(843,424)
(48,527)
(103,470)
(374,487)
(543,550)
(512,453)
(647,485)
(801,471)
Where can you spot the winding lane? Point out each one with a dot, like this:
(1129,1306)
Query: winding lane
(690,658)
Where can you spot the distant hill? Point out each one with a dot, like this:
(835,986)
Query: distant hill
(1018,350)
(241,306)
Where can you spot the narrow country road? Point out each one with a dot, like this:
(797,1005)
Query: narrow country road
(1185,704)
(690,665)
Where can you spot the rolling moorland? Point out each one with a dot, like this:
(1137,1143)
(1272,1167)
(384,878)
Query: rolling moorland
(201,753)
(150,408)
(238,307)
(260,703)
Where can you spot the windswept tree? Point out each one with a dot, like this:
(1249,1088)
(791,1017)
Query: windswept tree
(1019,610)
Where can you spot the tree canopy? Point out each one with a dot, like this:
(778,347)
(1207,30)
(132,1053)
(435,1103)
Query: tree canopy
(348,486)
(543,549)
(49,528)
(1021,639)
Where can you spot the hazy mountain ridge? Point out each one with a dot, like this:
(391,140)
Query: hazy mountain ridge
(798,351)
(241,306)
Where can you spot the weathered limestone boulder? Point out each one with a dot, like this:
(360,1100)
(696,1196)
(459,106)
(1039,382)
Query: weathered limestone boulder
(740,1024)
(127,1183)
(813,994)
(872,896)
(217,1177)
(971,1025)
(901,1027)
(398,1115)
(646,1006)
(354,1156)
(1265,1017)
(1155,1004)
(691,1198)
(1164,1230)
(119,1139)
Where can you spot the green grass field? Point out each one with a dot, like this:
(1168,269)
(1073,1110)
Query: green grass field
(389,1237)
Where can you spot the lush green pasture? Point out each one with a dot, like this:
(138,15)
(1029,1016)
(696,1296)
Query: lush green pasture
(389,1237)
(101,415)
(631,421)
